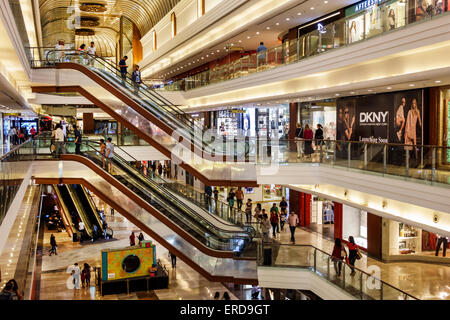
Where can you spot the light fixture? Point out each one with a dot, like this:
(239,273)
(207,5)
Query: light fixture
(370,90)
(218,50)
(268,28)
(312,8)
(299,14)
(277,23)
(248,37)
(438,81)
(353,92)
(389,88)
(257,32)
(412,85)
(326,2)
(287,19)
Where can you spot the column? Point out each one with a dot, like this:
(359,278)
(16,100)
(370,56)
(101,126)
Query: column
(88,123)
(374,232)
(338,213)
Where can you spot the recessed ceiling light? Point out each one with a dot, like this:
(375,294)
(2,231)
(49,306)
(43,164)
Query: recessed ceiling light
(312,8)
(326,2)
(257,32)
(268,28)
(412,85)
(337,94)
(287,19)
(218,50)
(248,37)
(240,41)
(389,88)
(277,23)
(370,90)
(299,14)
(353,92)
(438,81)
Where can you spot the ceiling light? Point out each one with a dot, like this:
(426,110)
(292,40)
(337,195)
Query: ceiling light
(353,92)
(257,32)
(438,81)
(287,19)
(389,88)
(412,85)
(299,14)
(218,50)
(326,2)
(370,90)
(277,23)
(248,37)
(268,28)
(240,41)
(337,94)
(312,8)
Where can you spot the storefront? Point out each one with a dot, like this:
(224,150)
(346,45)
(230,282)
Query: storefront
(228,122)
(320,112)
(354,223)
(369,18)
(14,120)
(322,217)
(105,127)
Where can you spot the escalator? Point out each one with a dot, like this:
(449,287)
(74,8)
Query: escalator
(150,117)
(197,222)
(70,208)
(88,206)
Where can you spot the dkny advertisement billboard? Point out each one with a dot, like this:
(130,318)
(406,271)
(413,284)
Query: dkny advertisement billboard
(383,118)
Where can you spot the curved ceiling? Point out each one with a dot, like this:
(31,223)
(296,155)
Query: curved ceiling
(144,13)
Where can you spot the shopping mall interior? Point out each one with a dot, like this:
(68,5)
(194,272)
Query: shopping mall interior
(224,150)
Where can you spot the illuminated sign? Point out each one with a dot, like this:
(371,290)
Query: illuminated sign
(321,28)
(363,5)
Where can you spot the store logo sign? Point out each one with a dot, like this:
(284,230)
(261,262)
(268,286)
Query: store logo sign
(373,118)
(321,28)
(363,5)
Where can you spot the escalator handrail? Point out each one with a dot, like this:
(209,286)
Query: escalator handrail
(150,92)
(179,203)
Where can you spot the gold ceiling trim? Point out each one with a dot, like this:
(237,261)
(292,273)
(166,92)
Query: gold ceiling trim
(93,7)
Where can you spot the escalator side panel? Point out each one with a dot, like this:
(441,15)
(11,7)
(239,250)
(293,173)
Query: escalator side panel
(64,212)
(81,211)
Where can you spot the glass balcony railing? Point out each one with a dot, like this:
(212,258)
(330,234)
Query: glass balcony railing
(339,34)
(358,284)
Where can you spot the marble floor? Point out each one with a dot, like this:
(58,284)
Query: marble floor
(184,282)
(422,280)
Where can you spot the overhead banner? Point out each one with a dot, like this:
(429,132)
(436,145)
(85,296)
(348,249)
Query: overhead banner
(383,118)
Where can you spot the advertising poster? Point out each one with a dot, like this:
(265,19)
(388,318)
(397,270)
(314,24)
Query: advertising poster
(382,118)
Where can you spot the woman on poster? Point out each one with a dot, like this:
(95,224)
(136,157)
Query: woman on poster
(411,124)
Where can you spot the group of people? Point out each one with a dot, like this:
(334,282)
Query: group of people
(20,135)
(305,136)
(225,296)
(133,239)
(107,153)
(59,139)
(277,220)
(339,254)
(80,277)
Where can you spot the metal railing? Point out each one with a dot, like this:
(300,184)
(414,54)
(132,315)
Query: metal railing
(354,281)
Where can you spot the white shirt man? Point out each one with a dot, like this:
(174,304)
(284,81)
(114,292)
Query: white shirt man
(59,135)
(92,49)
(76,274)
(81,226)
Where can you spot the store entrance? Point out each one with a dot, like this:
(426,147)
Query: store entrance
(322,217)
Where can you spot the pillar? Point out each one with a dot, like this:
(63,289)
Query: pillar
(374,236)
(88,123)
(338,213)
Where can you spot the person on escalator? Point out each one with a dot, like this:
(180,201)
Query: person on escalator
(78,139)
(239,198)
(82,230)
(91,51)
(208,195)
(53,245)
(265,228)
(105,227)
(136,77)
(109,154)
(94,233)
(230,199)
(123,68)
(160,170)
(103,152)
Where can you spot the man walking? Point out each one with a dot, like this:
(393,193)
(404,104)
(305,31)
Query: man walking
(91,51)
(53,245)
(59,140)
(293,222)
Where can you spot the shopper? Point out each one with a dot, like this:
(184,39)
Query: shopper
(293,223)
(53,245)
(112,212)
(105,229)
(230,199)
(140,238)
(76,275)
(283,212)
(308,135)
(132,239)
(160,169)
(258,212)
(103,152)
(217,295)
(91,50)
(208,195)
(78,139)
(274,213)
(274,219)
(441,241)
(299,138)
(11,291)
(226,296)
(248,210)
(318,136)
(261,52)
(352,253)
(239,198)
(86,275)
(216,195)
(265,228)
(173,258)
(123,68)
(109,155)
(82,230)
(59,140)
(136,77)
(60,51)
(338,255)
